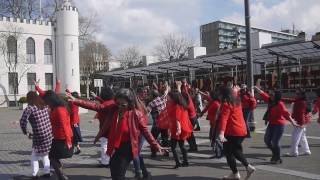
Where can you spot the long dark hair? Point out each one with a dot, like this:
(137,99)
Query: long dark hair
(177,98)
(214,96)
(53,100)
(186,97)
(34,99)
(133,101)
(107,93)
(228,96)
(277,96)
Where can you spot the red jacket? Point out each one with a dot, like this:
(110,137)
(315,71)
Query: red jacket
(231,120)
(248,102)
(61,127)
(299,112)
(42,92)
(212,112)
(136,123)
(178,113)
(278,113)
(105,111)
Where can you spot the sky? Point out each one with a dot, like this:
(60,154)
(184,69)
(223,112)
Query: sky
(142,23)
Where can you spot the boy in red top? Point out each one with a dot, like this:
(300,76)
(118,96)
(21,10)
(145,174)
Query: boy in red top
(300,113)
(75,122)
(213,108)
(316,107)
(104,116)
(248,103)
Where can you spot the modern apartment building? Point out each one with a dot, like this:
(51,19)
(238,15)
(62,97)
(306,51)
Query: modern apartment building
(221,35)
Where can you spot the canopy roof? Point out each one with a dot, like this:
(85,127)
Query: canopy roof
(290,51)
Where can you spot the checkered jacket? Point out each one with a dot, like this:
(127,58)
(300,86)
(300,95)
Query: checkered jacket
(41,128)
(157,106)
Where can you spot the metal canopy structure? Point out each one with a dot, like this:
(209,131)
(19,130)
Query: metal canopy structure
(289,51)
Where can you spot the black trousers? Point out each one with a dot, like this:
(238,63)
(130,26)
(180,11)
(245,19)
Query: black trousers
(233,150)
(183,150)
(155,131)
(120,161)
(192,140)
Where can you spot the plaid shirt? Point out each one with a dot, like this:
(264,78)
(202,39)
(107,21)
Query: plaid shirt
(157,105)
(41,128)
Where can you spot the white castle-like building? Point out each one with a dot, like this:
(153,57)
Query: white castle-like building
(38,49)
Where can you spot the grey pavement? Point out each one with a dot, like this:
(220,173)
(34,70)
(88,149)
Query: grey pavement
(15,150)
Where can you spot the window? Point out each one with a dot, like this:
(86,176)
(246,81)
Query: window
(47,51)
(31,57)
(13,82)
(49,81)
(12,49)
(31,78)
(71,47)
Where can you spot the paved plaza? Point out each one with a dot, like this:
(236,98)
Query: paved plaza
(15,150)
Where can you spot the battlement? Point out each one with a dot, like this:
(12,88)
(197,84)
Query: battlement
(68,8)
(26,21)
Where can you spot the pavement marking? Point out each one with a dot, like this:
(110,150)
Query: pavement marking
(273,169)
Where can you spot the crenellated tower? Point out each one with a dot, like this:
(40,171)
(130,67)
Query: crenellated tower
(67,39)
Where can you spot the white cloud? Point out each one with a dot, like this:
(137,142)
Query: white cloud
(282,15)
(124,23)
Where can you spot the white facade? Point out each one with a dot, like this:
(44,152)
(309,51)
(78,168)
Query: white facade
(114,64)
(147,60)
(194,52)
(260,38)
(66,69)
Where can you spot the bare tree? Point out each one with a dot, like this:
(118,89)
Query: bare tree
(94,56)
(28,9)
(11,43)
(129,57)
(173,46)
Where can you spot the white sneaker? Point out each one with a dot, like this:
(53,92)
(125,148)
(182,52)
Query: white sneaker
(250,171)
(305,154)
(232,176)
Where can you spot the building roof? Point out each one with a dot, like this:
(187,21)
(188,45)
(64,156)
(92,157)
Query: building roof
(291,51)
(258,28)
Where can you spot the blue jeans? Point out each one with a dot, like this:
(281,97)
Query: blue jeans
(247,113)
(272,139)
(138,162)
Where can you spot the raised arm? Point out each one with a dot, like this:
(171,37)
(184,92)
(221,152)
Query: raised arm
(97,98)
(38,89)
(206,96)
(58,87)
(265,96)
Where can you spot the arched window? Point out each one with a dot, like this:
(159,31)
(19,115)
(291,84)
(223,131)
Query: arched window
(12,49)
(31,55)
(47,51)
